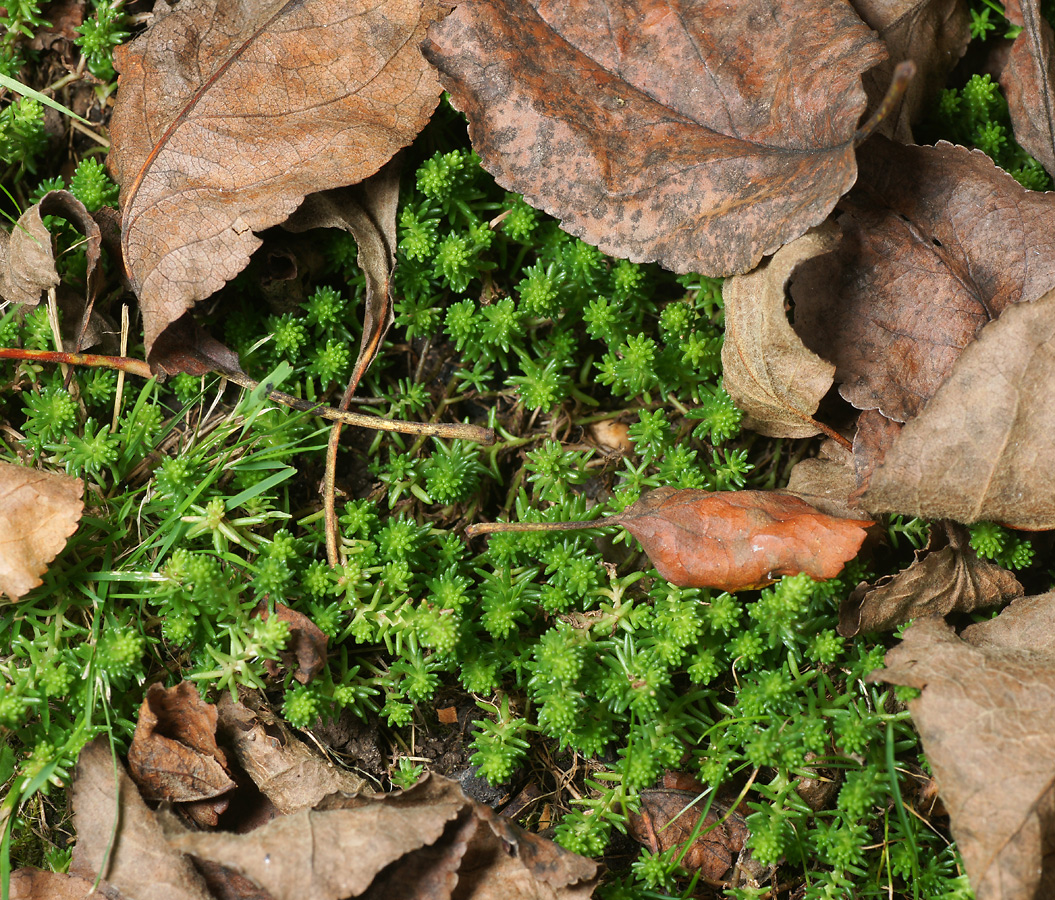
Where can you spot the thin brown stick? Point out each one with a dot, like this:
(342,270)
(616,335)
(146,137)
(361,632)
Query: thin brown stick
(903,74)
(479,528)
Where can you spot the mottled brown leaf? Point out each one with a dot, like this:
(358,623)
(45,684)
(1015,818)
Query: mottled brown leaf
(140,863)
(668,818)
(946,576)
(288,772)
(305,650)
(768,371)
(982,448)
(1028,80)
(698,133)
(735,540)
(229,114)
(987,720)
(174,755)
(38,513)
(933,34)
(937,242)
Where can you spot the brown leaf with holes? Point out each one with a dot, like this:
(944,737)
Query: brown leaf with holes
(988,704)
(946,576)
(701,134)
(669,818)
(933,34)
(230,114)
(937,242)
(38,513)
(768,371)
(1028,80)
(174,755)
(982,448)
(736,540)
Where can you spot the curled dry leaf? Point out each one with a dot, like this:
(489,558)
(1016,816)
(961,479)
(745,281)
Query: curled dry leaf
(174,755)
(736,540)
(947,576)
(768,371)
(38,513)
(701,134)
(932,33)
(937,242)
(982,448)
(987,720)
(1028,80)
(229,114)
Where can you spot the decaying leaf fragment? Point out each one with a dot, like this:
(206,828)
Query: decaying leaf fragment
(767,370)
(736,540)
(1028,80)
(987,720)
(699,133)
(946,576)
(38,513)
(982,448)
(229,114)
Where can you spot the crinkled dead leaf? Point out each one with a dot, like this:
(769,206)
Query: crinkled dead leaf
(174,755)
(933,34)
(937,242)
(229,114)
(768,371)
(700,134)
(982,448)
(946,576)
(987,720)
(1028,80)
(140,862)
(289,773)
(38,513)
(736,540)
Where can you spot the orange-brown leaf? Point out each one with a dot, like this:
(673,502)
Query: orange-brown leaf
(735,540)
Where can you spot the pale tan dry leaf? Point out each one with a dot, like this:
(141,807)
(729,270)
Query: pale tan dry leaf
(140,863)
(34,884)
(230,113)
(982,447)
(987,720)
(769,373)
(38,513)
(828,482)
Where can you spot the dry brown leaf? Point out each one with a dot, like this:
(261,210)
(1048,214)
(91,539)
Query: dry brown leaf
(937,242)
(286,770)
(989,701)
(174,755)
(38,513)
(1028,80)
(140,862)
(932,33)
(736,540)
(828,481)
(700,134)
(946,576)
(982,448)
(669,817)
(305,650)
(768,371)
(34,884)
(229,114)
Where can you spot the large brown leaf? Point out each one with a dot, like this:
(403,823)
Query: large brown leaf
(947,576)
(699,133)
(768,371)
(982,448)
(229,114)
(987,719)
(735,540)
(38,513)
(937,242)
(1028,80)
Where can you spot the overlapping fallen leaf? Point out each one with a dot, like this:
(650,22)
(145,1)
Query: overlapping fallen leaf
(38,513)
(700,134)
(988,703)
(1028,80)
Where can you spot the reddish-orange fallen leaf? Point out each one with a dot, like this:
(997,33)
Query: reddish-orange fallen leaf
(38,513)
(736,540)
(229,114)
(700,134)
